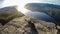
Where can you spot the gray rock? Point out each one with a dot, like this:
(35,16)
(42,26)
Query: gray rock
(27,25)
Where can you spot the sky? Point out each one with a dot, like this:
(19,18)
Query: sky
(1,1)
(21,3)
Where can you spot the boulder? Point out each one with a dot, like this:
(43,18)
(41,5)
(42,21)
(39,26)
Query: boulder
(28,25)
(8,13)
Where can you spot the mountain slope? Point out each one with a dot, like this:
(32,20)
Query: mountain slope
(49,9)
(8,13)
(41,6)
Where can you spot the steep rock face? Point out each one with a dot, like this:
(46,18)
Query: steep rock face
(8,13)
(27,25)
(50,9)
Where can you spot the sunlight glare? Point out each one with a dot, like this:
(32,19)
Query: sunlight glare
(19,3)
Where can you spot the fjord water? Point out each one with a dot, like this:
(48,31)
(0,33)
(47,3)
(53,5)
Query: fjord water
(40,16)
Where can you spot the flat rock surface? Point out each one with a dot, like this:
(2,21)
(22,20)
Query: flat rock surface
(28,25)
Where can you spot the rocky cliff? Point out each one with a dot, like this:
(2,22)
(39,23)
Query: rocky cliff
(8,13)
(14,22)
(28,25)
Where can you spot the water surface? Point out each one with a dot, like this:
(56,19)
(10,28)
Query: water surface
(40,16)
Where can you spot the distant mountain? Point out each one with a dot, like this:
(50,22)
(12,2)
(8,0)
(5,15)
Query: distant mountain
(41,6)
(4,9)
(50,9)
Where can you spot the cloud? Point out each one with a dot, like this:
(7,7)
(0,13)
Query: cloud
(57,2)
(23,2)
(16,2)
